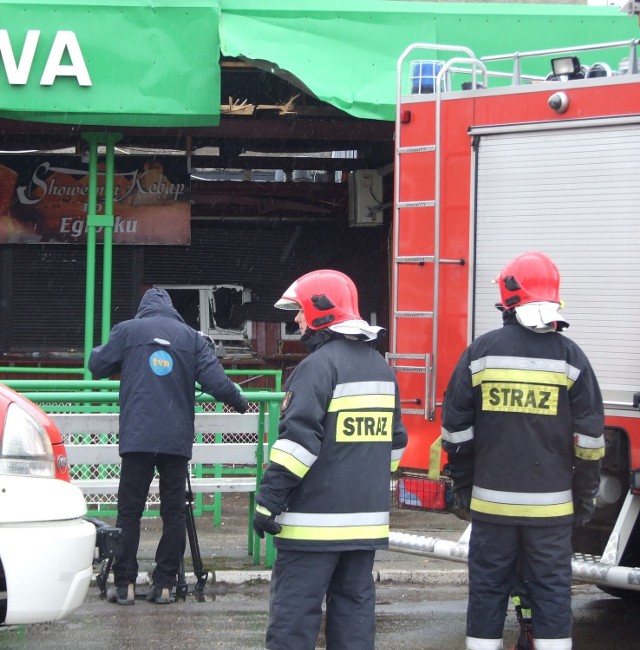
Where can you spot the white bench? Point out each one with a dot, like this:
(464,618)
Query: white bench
(215,453)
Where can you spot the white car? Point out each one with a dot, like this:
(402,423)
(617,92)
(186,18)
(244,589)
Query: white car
(46,547)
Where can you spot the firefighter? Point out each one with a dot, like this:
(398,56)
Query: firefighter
(326,491)
(522,426)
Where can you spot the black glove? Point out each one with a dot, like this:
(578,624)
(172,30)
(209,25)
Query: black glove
(583,508)
(241,406)
(265,522)
(462,503)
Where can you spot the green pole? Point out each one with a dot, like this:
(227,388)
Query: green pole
(91,251)
(107,259)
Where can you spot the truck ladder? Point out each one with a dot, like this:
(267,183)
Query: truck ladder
(392,360)
(431,358)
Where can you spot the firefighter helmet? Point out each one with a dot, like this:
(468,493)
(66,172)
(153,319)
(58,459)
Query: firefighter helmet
(530,284)
(326,297)
(530,277)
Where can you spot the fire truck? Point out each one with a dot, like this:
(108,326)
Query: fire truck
(496,156)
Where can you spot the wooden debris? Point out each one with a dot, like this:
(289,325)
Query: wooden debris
(237,107)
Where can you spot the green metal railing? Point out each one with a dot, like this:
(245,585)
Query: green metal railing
(36,370)
(102,396)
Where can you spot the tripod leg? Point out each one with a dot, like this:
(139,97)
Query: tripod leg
(181,586)
(198,569)
(103,576)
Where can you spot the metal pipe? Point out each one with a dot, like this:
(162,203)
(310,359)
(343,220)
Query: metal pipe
(586,569)
(107,248)
(39,371)
(91,251)
(61,384)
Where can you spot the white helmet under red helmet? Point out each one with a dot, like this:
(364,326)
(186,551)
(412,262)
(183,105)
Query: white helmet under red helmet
(530,284)
(329,299)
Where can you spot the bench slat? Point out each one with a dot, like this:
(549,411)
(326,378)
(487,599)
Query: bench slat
(102,423)
(230,484)
(224,453)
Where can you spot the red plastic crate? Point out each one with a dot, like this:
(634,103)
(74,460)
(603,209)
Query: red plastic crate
(421,493)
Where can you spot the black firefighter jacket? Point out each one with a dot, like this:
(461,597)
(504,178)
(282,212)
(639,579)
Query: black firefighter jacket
(340,436)
(160,358)
(523,422)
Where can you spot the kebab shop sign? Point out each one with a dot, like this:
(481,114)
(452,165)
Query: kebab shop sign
(45,199)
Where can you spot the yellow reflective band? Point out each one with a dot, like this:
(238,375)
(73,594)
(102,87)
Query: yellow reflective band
(353,402)
(263,511)
(394,465)
(588,454)
(520,398)
(334,533)
(522,376)
(364,426)
(435,457)
(520,510)
(288,461)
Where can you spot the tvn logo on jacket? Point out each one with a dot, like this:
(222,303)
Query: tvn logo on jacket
(364,426)
(520,398)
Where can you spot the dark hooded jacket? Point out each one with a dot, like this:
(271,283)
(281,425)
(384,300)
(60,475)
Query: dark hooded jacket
(159,358)
(340,437)
(523,422)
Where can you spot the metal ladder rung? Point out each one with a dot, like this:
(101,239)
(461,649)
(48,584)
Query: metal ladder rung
(421,259)
(401,355)
(414,314)
(416,204)
(410,369)
(417,149)
(415,259)
(412,411)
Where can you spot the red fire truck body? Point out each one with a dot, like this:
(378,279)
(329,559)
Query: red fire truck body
(486,173)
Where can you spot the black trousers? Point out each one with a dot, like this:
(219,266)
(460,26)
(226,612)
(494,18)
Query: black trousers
(538,555)
(136,473)
(299,582)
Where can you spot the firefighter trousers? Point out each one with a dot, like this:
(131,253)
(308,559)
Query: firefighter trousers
(299,583)
(541,555)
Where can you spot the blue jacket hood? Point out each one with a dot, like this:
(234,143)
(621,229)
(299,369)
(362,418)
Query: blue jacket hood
(157,302)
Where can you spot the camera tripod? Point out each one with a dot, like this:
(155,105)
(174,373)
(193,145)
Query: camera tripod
(199,572)
(109,542)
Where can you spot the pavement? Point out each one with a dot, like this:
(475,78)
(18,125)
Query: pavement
(224,548)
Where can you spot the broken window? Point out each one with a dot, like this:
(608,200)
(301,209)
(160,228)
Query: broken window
(219,312)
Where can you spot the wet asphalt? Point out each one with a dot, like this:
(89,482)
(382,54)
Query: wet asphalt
(420,603)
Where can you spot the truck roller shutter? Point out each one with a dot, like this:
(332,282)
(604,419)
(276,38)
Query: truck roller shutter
(572,193)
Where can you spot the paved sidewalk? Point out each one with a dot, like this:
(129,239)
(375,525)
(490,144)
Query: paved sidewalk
(224,549)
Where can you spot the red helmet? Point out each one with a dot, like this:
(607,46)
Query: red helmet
(530,277)
(326,297)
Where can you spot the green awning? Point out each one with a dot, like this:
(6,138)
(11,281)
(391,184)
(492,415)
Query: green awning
(345,53)
(128,63)
(156,62)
